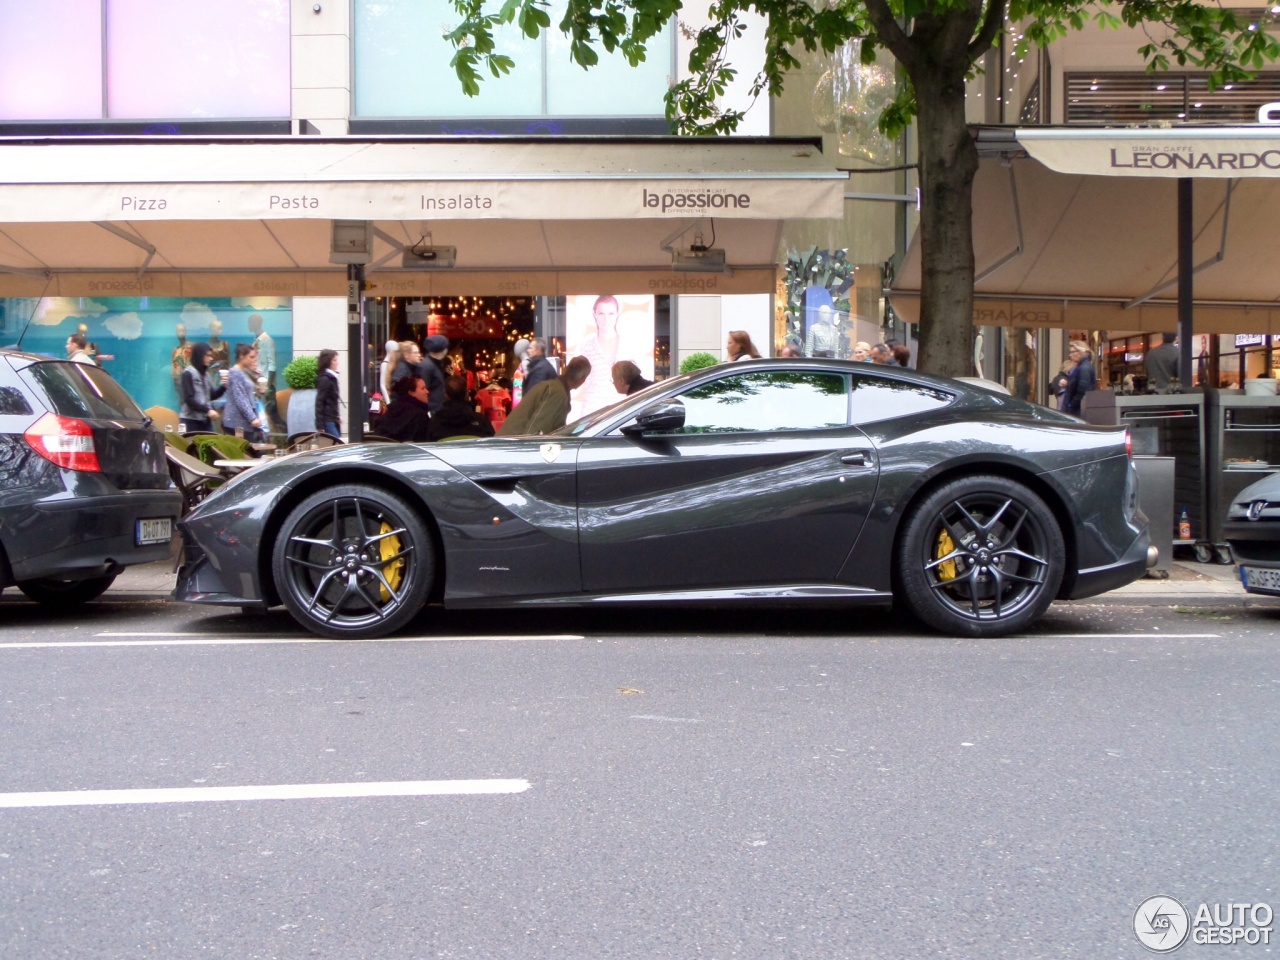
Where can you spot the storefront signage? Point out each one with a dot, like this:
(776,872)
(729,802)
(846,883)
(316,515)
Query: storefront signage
(456,327)
(1250,340)
(1133,356)
(1269,113)
(1187,158)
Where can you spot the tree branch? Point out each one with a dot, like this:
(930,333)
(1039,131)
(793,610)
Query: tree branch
(895,40)
(992,24)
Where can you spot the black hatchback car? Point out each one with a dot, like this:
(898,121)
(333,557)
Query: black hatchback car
(84,480)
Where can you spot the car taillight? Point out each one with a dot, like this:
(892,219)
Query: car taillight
(1128,444)
(64,441)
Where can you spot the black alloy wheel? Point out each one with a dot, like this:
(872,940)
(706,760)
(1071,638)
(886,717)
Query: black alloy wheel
(353,562)
(53,592)
(980,556)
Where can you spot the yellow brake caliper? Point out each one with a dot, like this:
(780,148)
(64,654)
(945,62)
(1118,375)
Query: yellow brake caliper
(947,569)
(393,570)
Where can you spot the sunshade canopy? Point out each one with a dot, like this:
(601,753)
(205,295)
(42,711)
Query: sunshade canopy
(227,216)
(1097,247)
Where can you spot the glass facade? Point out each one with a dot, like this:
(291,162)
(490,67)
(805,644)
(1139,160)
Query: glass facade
(402,69)
(143,342)
(840,264)
(90,60)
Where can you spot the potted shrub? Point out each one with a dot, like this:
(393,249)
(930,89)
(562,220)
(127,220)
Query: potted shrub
(696,361)
(300,412)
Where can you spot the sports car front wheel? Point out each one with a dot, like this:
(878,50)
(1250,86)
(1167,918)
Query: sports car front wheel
(980,556)
(353,562)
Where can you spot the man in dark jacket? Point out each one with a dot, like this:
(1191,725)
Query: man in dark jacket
(457,418)
(407,418)
(198,391)
(539,368)
(432,370)
(1162,363)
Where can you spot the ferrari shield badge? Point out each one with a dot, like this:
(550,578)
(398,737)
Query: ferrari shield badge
(550,452)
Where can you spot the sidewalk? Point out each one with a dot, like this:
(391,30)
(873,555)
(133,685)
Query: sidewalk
(1188,584)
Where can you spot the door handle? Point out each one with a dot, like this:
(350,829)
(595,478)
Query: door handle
(858,459)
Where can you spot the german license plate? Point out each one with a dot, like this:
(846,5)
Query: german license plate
(155,530)
(1260,578)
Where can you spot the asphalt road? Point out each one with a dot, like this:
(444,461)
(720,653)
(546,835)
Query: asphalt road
(710,785)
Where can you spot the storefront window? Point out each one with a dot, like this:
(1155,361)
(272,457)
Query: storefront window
(163,60)
(402,70)
(144,342)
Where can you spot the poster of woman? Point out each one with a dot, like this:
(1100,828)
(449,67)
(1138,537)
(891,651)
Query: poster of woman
(606,329)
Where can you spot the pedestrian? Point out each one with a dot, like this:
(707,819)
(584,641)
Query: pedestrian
(538,369)
(1081,380)
(198,390)
(1162,363)
(240,415)
(862,351)
(407,418)
(901,354)
(328,395)
(408,358)
(739,346)
(546,406)
(627,379)
(457,418)
(265,345)
(432,371)
(880,354)
(77,350)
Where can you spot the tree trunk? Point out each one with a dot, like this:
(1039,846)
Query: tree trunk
(948,164)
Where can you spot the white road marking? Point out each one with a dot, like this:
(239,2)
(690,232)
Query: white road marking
(288,791)
(216,640)
(1121,636)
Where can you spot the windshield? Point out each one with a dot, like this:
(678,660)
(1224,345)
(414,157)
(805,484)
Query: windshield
(583,424)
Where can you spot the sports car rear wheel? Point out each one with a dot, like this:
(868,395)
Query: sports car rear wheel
(980,557)
(354,562)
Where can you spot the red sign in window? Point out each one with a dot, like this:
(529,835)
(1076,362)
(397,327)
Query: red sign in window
(459,327)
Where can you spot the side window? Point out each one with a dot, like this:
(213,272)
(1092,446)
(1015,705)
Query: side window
(875,399)
(768,401)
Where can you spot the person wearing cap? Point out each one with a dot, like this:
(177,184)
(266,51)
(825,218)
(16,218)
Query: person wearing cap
(431,370)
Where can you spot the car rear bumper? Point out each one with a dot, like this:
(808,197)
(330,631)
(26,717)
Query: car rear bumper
(77,537)
(1131,566)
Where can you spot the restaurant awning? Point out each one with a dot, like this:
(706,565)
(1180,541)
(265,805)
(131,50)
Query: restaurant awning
(1093,243)
(227,216)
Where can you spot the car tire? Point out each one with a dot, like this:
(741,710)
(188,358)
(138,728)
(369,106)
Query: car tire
(53,592)
(353,562)
(980,556)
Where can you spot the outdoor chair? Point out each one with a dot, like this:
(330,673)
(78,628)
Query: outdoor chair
(310,440)
(194,479)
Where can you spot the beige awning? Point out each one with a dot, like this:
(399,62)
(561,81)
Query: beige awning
(1198,152)
(222,216)
(1100,252)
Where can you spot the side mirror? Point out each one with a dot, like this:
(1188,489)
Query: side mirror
(661,417)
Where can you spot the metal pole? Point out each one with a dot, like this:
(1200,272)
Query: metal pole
(1185,285)
(355,352)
